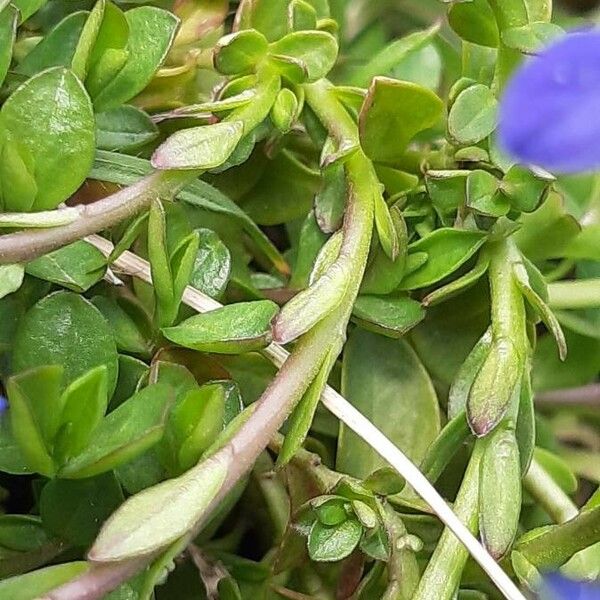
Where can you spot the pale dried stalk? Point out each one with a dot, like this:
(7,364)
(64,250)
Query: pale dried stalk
(137,267)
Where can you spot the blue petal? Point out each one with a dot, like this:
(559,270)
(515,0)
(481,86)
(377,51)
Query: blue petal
(3,403)
(560,588)
(550,112)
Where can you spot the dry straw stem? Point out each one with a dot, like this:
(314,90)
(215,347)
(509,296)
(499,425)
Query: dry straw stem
(133,265)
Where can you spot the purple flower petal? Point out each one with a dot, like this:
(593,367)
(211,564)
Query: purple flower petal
(3,403)
(561,588)
(550,112)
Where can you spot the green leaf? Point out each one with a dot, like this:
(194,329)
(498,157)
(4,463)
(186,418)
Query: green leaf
(12,458)
(383,275)
(193,425)
(392,114)
(11,278)
(36,406)
(66,329)
(84,403)
(474,22)
(473,115)
(553,547)
(151,33)
(524,189)
(531,37)
(129,322)
(87,40)
(28,7)
(315,51)
(204,147)
(500,492)
(212,265)
(447,249)
(481,194)
(285,110)
(459,285)
(392,55)
(385,227)
(125,433)
(468,370)
(124,128)
(330,544)
(76,267)
(34,584)
(8,29)
(392,317)
(108,53)
(56,48)
(75,510)
(384,379)
(548,231)
(53,134)
(447,189)
(330,510)
(21,533)
(446,445)
(240,52)
(301,419)
(330,199)
(266,16)
(232,329)
(161,514)
(544,311)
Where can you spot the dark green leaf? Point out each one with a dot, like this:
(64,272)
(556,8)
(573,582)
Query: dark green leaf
(385,380)
(124,128)
(65,329)
(75,510)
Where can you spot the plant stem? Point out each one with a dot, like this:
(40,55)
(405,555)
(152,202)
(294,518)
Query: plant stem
(444,570)
(26,245)
(507,305)
(548,494)
(584,396)
(583,293)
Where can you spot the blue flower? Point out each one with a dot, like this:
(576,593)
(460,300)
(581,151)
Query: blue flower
(560,588)
(3,403)
(550,112)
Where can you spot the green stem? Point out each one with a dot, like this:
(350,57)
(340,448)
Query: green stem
(509,13)
(583,293)
(548,494)
(507,305)
(444,570)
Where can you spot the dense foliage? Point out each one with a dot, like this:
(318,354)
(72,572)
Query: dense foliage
(186,188)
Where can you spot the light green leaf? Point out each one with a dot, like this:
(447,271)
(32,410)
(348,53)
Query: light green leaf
(232,329)
(161,514)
